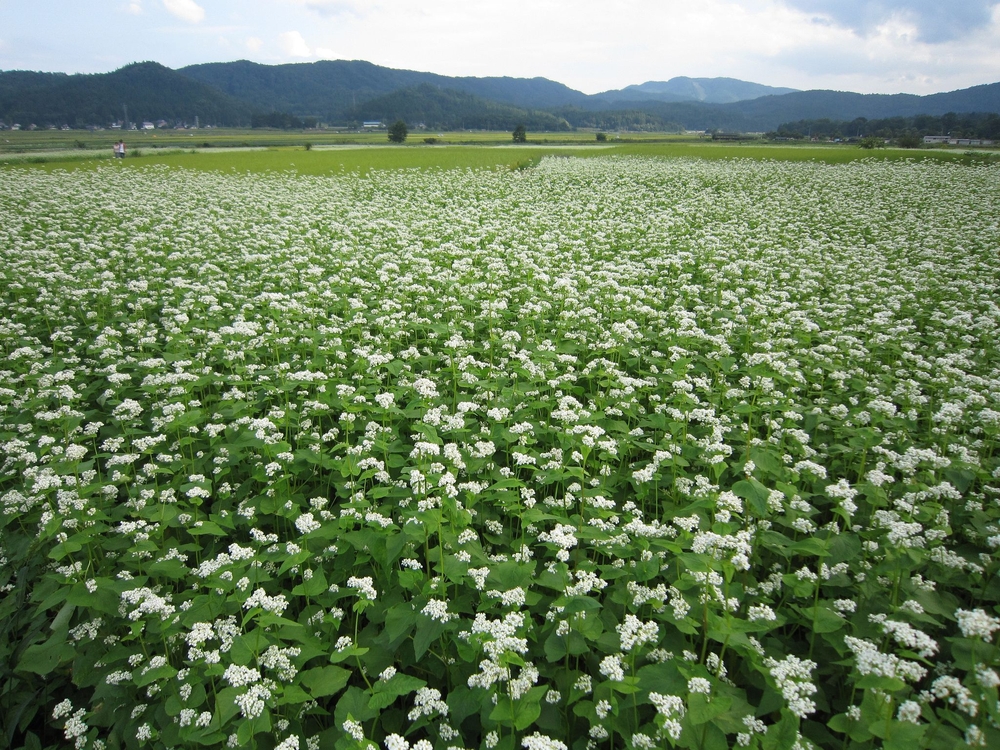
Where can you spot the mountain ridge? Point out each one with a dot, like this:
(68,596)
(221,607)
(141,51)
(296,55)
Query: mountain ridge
(338,92)
(720,90)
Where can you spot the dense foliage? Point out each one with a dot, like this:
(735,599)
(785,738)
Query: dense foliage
(398,131)
(149,90)
(331,88)
(605,453)
(636,119)
(282,121)
(968,125)
(447,109)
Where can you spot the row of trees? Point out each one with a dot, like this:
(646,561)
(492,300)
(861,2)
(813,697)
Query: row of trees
(447,109)
(398,132)
(282,121)
(970,125)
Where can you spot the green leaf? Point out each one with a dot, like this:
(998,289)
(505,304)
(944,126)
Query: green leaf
(703,708)
(767,461)
(225,705)
(823,620)
(293,695)
(204,528)
(464,702)
(754,493)
(398,684)
(143,678)
(400,619)
(313,587)
(715,738)
(247,729)
(662,677)
(904,735)
(323,681)
(520,714)
(840,723)
(784,734)
(813,547)
(511,575)
(43,658)
(844,548)
(555,647)
(428,631)
(354,704)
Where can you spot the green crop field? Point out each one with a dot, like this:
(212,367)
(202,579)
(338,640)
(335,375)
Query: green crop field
(331,159)
(659,445)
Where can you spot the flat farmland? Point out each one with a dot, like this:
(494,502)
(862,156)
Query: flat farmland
(403,447)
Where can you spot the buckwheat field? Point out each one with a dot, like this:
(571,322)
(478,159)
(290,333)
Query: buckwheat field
(606,453)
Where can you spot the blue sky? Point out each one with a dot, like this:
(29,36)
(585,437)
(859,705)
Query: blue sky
(871,46)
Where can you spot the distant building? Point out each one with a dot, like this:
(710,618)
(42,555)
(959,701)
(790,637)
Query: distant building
(957,141)
(372,124)
(148,126)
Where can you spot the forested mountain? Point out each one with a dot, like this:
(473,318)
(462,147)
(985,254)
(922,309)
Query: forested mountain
(768,112)
(342,92)
(973,125)
(149,90)
(330,89)
(684,89)
(447,109)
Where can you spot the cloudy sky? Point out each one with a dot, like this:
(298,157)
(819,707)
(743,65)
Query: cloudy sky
(870,46)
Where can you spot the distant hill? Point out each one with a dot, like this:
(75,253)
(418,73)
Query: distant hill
(769,111)
(149,90)
(331,89)
(766,113)
(337,91)
(342,92)
(448,109)
(683,89)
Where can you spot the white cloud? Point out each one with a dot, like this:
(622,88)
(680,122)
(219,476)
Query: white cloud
(186,10)
(254,43)
(325,53)
(293,45)
(330,8)
(932,21)
(134,8)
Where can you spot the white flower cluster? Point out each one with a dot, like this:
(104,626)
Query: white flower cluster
(869,660)
(633,632)
(365,587)
(793,677)
(977,624)
(427,702)
(437,609)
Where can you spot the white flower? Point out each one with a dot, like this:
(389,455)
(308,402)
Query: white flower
(539,741)
(699,685)
(976,623)
(611,667)
(437,609)
(306,523)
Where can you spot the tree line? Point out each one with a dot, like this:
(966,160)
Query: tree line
(984,125)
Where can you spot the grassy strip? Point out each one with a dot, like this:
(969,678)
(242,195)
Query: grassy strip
(364,158)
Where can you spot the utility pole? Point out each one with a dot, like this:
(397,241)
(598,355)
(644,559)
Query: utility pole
(125,125)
